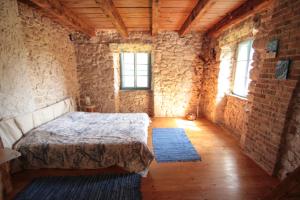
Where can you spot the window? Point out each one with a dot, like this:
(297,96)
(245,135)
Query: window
(242,68)
(135,70)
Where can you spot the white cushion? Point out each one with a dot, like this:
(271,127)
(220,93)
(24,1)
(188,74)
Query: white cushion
(72,105)
(60,108)
(68,103)
(42,116)
(9,133)
(25,122)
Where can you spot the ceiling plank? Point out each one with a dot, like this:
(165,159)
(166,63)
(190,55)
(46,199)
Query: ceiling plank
(200,8)
(111,12)
(64,16)
(155,16)
(245,10)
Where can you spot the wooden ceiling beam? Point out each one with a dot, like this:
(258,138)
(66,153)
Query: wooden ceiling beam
(155,16)
(112,13)
(200,8)
(247,9)
(64,16)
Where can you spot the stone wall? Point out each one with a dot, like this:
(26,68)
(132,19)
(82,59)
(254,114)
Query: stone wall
(235,115)
(51,58)
(218,104)
(96,75)
(38,63)
(136,101)
(176,72)
(98,71)
(15,87)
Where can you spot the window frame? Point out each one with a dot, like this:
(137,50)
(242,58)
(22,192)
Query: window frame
(248,66)
(135,72)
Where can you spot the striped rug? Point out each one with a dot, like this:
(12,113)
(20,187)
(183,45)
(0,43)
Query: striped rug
(104,187)
(172,145)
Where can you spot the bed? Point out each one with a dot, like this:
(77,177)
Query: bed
(88,141)
(57,137)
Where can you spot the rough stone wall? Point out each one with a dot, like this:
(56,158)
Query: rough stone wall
(217,103)
(177,74)
(96,75)
(15,86)
(235,115)
(38,64)
(98,71)
(210,79)
(136,101)
(51,58)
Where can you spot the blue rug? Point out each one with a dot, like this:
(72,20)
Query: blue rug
(104,187)
(172,144)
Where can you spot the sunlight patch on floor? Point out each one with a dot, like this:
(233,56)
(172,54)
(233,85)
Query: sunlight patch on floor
(186,124)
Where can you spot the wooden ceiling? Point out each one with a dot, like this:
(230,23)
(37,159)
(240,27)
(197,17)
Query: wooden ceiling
(142,15)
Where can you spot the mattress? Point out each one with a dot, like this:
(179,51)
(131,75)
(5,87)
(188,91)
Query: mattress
(80,140)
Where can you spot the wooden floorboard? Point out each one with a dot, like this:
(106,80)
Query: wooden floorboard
(224,172)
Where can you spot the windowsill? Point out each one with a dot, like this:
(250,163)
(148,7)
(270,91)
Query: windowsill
(237,96)
(135,89)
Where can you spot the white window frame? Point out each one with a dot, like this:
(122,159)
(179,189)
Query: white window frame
(135,87)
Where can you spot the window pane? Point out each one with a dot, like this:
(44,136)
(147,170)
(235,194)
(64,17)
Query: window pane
(128,69)
(241,74)
(142,58)
(142,73)
(127,81)
(128,58)
(243,51)
(142,67)
(142,81)
(142,70)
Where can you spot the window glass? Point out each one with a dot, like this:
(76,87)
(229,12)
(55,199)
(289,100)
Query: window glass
(135,70)
(242,68)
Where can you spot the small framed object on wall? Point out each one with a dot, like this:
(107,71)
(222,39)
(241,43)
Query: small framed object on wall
(272,48)
(282,69)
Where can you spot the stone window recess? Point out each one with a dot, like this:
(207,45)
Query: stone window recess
(135,70)
(242,68)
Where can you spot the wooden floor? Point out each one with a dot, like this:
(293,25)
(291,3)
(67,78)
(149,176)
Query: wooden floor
(224,172)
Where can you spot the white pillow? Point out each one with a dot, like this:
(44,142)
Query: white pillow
(25,122)
(9,133)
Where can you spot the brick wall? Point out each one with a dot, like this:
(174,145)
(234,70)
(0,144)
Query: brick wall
(290,151)
(269,98)
(263,128)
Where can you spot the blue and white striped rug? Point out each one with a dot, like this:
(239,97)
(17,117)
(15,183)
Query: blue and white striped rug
(104,187)
(172,144)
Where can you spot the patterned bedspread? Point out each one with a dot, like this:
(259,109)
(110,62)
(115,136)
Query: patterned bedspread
(88,141)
